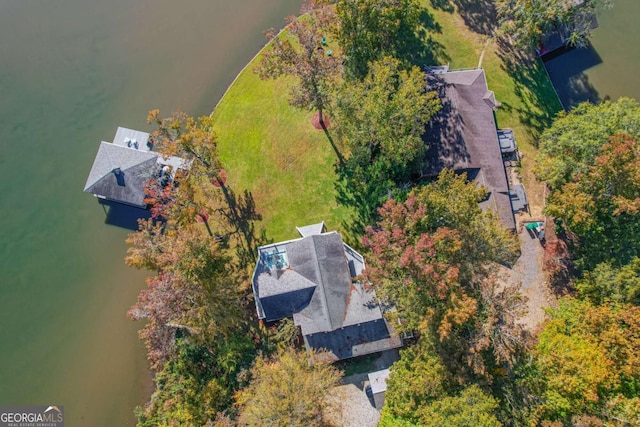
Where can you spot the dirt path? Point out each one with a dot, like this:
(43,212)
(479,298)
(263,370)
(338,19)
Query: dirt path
(529,276)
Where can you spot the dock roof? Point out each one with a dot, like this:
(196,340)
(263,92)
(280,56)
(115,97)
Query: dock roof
(121,169)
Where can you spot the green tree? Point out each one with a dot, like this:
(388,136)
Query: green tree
(197,382)
(573,141)
(299,52)
(602,205)
(606,283)
(418,378)
(286,391)
(471,408)
(379,125)
(383,117)
(528,21)
(587,361)
(367,30)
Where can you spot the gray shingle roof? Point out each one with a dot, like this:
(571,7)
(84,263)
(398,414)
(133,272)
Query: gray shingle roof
(121,170)
(309,230)
(120,173)
(311,279)
(463,137)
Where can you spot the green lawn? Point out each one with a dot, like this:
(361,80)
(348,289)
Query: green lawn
(271,149)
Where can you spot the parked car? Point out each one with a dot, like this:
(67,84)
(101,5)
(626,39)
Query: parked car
(507,141)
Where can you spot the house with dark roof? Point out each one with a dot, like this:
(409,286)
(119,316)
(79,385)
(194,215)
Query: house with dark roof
(312,280)
(121,169)
(463,136)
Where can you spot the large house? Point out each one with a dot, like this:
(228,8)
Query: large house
(463,136)
(121,169)
(312,279)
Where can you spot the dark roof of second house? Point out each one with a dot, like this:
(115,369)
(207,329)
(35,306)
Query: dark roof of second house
(462,136)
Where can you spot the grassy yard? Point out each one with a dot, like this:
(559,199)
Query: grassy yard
(271,149)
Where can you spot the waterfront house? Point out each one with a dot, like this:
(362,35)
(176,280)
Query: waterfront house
(463,136)
(121,169)
(313,280)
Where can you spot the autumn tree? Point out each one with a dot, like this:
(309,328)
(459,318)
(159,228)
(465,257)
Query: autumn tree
(299,52)
(190,194)
(190,138)
(367,30)
(431,257)
(195,291)
(601,206)
(286,391)
(527,22)
(379,125)
(587,363)
(573,141)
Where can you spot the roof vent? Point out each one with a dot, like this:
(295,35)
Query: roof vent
(119,176)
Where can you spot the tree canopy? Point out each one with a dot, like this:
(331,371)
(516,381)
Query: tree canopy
(367,30)
(587,363)
(573,141)
(417,379)
(431,257)
(286,391)
(472,407)
(602,205)
(527,22)
(198,382)
(607,283)
(299,52)
(379,125)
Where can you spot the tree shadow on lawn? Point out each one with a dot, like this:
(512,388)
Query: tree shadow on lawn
(444,5)
(241,213)
(417,46)
(479,16)
(355,225)
(532,87)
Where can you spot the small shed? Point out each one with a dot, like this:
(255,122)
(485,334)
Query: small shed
(378,383)
(518,198)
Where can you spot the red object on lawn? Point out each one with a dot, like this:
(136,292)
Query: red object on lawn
(315,121)
(202,216)
(222,175)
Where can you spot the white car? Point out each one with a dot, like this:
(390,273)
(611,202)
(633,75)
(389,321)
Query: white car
(507,141)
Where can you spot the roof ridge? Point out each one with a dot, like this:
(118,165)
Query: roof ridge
(325,306)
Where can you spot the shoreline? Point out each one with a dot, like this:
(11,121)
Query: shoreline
(253,58)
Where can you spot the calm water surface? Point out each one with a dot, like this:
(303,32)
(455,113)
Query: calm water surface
(71,71)
(617,42)
(610,68)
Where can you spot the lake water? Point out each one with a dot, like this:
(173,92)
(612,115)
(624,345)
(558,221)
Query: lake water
(71,72)
(609,68)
